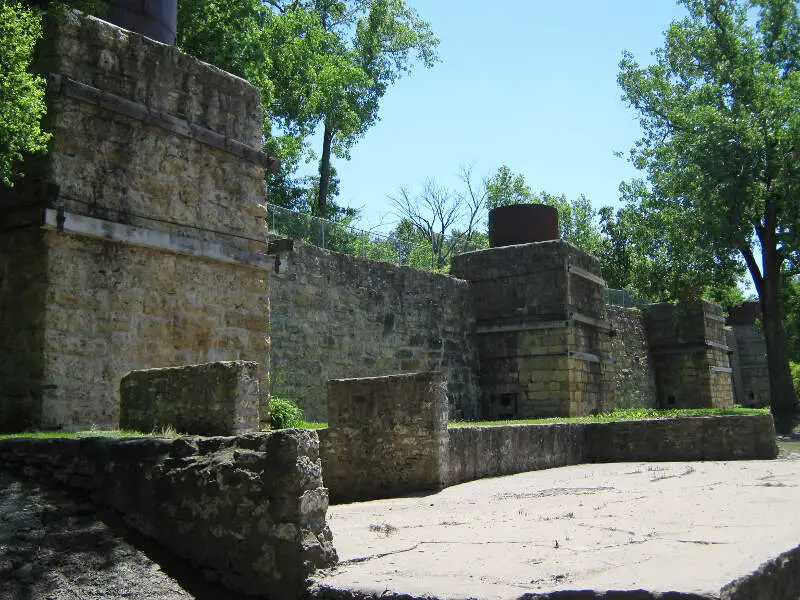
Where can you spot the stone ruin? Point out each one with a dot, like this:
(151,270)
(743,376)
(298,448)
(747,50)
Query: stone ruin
(139,242)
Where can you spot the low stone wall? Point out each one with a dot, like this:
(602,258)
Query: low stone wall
(477,452)
(362,466)
(218,398)
(386,436)
(249,510)
(733,437)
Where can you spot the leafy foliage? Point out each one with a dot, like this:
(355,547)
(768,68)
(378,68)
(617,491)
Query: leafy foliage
(285,414)
(718,108)
(21,93)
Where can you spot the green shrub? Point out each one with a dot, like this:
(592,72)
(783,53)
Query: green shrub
(285,414)
(795,376)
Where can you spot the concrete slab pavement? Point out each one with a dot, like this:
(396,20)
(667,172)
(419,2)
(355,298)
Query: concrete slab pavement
(690,528)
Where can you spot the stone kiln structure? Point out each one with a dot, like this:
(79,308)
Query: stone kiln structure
(540,330)
(688,345)
(138,240)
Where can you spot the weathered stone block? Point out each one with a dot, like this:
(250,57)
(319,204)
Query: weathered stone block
(386,436)
(220,398)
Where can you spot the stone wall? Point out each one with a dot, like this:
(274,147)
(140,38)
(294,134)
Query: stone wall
(477,452)
(336,316)
(220,398)
(633,376)
(22,289)
(751,374)
(688,346)
(386,436)
(732,437)
(541,333)
(146,249)
(140,152)
(249,510)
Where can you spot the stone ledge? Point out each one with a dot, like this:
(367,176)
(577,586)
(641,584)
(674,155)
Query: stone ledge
(249,510)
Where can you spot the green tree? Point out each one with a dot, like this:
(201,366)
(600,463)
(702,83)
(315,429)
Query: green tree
(332,63)
(22,104)
(654,249)
(577,221)
(718,108)
(505,188)
(21,93)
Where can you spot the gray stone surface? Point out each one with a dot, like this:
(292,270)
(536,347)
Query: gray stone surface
(219,398)
(249,510)
(336,316)
(614,531)
(633,376)
(688,346)
(55,546)
(386,436)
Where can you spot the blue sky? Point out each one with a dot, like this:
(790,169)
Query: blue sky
(531,84)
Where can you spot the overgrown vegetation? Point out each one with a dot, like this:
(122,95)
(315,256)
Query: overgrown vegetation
(623,414)
(285,414)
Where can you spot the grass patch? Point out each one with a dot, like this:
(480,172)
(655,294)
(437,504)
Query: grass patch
(626,414)
(312,425)
(89,433)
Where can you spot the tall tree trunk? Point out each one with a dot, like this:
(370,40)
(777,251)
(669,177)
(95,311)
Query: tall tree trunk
(783,400)
(325,169)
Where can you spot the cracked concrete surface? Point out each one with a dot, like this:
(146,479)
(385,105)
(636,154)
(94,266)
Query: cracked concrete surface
(682,527)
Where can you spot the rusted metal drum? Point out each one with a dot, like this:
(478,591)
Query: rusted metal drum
(157,19)
(522,224)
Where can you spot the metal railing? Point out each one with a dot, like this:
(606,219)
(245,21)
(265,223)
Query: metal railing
(624,298)
(331,235)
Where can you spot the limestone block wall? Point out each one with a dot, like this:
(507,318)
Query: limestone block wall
(633,376)
(111,308)
(135,129)
(249,510)
(336,316)
(220,398)
(689,350)
(386,436)
(751,373)
(541,333)
(146,249)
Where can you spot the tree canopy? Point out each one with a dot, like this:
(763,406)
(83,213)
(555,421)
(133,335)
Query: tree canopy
(21,93)
(718,108)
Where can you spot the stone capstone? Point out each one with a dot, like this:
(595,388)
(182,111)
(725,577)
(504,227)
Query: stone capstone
(220,398)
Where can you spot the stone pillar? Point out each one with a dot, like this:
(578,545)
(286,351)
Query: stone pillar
(689,350)
(386,436)
(138,240)
(542,334)
(750,360)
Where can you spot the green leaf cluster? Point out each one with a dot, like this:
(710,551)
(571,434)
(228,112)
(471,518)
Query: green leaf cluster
(21,93)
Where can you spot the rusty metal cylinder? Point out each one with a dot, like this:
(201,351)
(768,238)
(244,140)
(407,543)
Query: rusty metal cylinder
(522,224)
(157,19)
